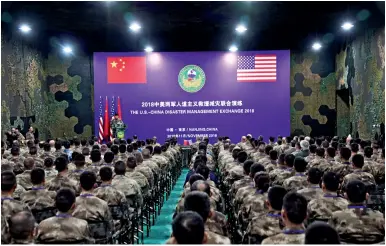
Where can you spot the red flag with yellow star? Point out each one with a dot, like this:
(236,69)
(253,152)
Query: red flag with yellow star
(126,70)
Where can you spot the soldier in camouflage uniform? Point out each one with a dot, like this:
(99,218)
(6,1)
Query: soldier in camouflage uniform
(266,160)
(330,156)
(372,167)
(145,170)
(254,203)
(114,124)
(9,206)
(312,153)
(33,154)
(24,179)
(284,169)
(319,161)
(133,173)
(47,152)
(16,160)
(49,169)
(29,136)
(299,180)
(128,186)
(294,213)
(38,197)
(106,191)
(245,181)
(237,171)
(322,208)
(88,206)
(198,201)
(343,168)
(96,162)
(108,160)
(273,156)
(122,156)
(313,191)
(269,224)
(58,149)
(321,233)
(188,228)
(62,180)
(79,162)
(22,228)
(150,162)
(161,160)
(63,227)
(358,174)
(357,224)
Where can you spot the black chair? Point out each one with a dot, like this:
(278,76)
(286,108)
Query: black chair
(123,230)
(101,231)
(45,213)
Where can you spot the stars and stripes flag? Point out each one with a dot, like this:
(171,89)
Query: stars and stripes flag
(106,125)
(100,121)
(257,68)
(112,116)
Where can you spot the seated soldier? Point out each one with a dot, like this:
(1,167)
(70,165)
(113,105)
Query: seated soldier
(198,201)
(96,162)
(254,203)
(373,167)
(344,167)
(22,228)
(148,161)
(323,207)
(62,180)
(299,180)
(188,228)
(357,224)
(108,160)
(106,191)
(321,233)
(266,160)
(79,161)
(357,174)
(244,191)
(133,173)
(49,169)
(9,206)
(283,171)
(33,151)
(269,224)
(126,185)
(38,197)
(63,228)
(294,213)
(237,171)
(246,181)
(88,206)
(313,191)
(145,170)
(19,190)
(24,179)
(217,221)
(273,156)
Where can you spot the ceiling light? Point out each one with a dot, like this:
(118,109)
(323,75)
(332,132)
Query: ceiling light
(233,48)
(347,26)
(241,29)
(67,50)
(25,28)
(316,46)
(149,49)
(135,27)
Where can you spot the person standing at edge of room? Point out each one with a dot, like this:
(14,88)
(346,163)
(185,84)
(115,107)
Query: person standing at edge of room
(114,123)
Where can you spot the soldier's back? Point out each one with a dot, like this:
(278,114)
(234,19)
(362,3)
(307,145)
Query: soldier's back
(278,175)
(217,223)
(359,225)
(39,198)
(214,238)
(311,192)
(24,179)
(322,208)
(109,194)
(63,229)
(91,208)
(295,183)
(147,172)
(141,180)
(129,187)
(342,169)
(285,238)
(365,177)
(9,207)
(62,182)
(261,227)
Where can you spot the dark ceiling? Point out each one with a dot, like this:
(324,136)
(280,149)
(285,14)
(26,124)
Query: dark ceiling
(192,26)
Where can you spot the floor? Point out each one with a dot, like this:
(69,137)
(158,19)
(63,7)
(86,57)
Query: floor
(162,229)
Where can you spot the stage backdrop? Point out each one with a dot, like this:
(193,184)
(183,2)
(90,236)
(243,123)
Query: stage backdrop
(190,94)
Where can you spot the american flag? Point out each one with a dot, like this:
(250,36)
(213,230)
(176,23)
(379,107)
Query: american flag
(100,121)
(112,116)
(258,68)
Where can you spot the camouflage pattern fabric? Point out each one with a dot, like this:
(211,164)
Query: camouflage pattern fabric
(262,227)
(283,238)
(295,183)
(128,187)
(24,179)
(109,194)
(38,198)
(322,208)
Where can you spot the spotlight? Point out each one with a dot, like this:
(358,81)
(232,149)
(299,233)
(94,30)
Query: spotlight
(316,46)
(67,50)
(233,48)
(25,28)
(347,26)
(241,29)
(135,27)
(149,49)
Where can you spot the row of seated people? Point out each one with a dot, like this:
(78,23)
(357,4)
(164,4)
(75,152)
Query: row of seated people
(249,169)
(115,197)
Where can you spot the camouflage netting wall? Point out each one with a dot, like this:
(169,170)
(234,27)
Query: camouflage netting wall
(53,93)
(313,85)
(361,85)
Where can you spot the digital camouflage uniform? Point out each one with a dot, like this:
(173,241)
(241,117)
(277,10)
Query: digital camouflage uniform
(140,179)
(261,227)
(313,191)
(109,194)
(280,174)
(358,174)
(359,225)
(62,182)
(39,198)
(63,228)
(285,238)
(342,169)
(322,208)
(129,187)
(296,182)
(50,174)
(24,179)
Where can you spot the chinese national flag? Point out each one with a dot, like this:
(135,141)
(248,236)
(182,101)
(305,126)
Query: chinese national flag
(126,70)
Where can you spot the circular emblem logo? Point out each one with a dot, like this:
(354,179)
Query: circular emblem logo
(191,78)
